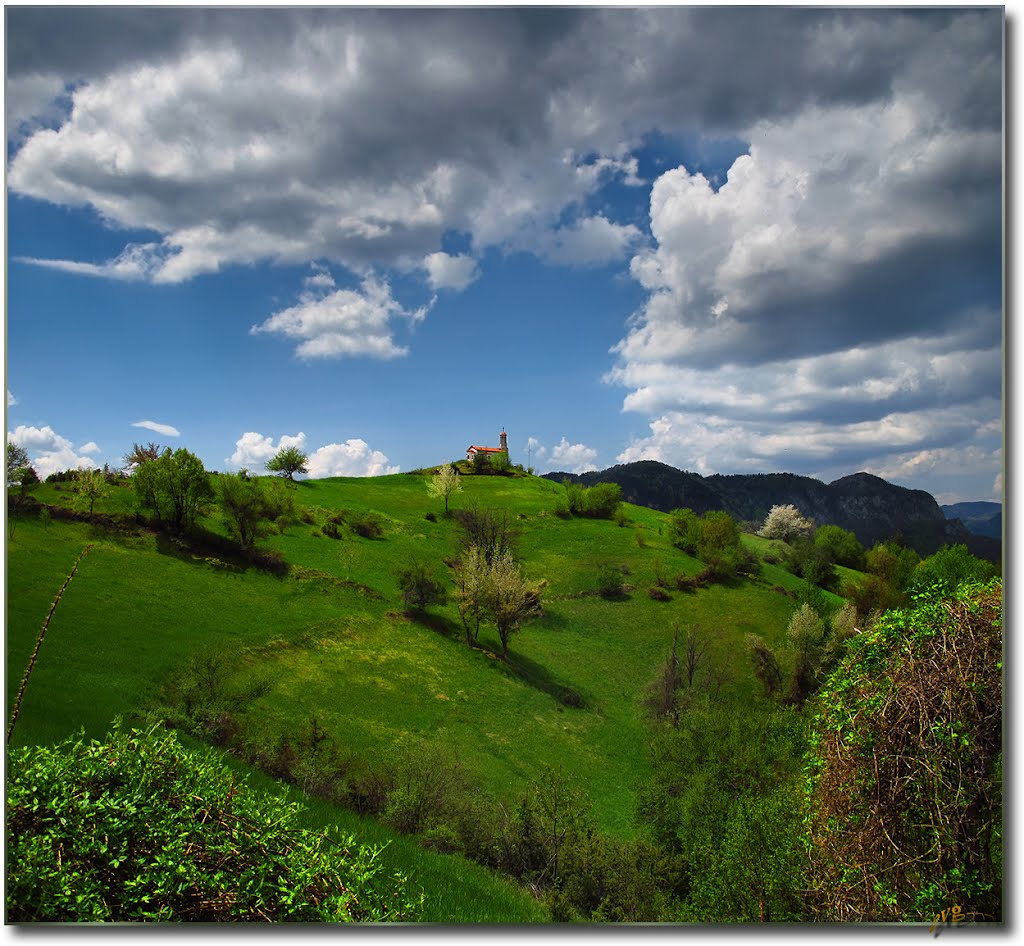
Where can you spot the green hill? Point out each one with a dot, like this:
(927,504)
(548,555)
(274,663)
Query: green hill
(327,649)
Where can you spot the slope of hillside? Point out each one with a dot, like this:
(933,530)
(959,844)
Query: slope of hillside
(331,640)
(981,518)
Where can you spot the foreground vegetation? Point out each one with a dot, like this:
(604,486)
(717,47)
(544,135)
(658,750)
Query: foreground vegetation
(609,709)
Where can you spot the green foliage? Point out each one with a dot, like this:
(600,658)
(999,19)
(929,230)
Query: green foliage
(136,828)
(714,538)
(610,581)
(17,462)
(175,486)
(251,505)
(369,525)
(601,501)
(950,567)
(288,461)
(893,563)
(841,547)
(903,790)
(813,563)
(723,798)
(88,486)
(444,484)
(481,462)
(420,587)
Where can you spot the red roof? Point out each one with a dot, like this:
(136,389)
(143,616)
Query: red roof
(484,449)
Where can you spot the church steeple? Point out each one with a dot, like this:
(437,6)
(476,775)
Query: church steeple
(503,440)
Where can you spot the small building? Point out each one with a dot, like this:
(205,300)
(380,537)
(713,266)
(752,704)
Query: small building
(473,449)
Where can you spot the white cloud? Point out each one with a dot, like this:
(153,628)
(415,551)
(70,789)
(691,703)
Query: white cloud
(166,429)
(48,450)
(572,457)
(591,241)
(90,447)
(11,399)
(253,450)
(997,487)
(445,271)
(30,101)
(345,322)
(351,458)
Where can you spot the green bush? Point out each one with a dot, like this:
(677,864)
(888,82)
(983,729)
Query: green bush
(369,525)
(610,583)
(136,828)
(601,501)
(420,587)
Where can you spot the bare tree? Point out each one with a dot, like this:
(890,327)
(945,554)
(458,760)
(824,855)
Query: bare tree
(696,644)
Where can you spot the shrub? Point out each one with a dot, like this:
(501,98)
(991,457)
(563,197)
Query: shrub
(601,501)
(904,796)
(369,525)
(949,568)
(842,547)
(610,583)
(657,593)
(136,828)
(419,587)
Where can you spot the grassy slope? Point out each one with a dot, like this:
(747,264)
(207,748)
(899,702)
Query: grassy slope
(375,679)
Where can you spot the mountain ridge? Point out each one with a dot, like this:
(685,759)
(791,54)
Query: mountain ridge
(870,507)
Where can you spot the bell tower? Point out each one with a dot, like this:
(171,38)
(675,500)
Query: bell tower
(503,441)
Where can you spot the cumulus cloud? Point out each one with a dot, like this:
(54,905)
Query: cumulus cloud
(90,447)
(345,322)
(572,457)
(591,241)
(253,450)
(49,451)
(445,271)
(363,136)
(351,458)
(166,429)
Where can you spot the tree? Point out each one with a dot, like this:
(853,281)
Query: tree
(444,483)
(174,485)
(140,454)
(89,485)
(488,530)
(806,633)
(251,504)
(947,569)
(842,547)
(419,587)
(481,462)
(288,461)
(511,599)
(471,574)
(766,664)
(17,463)
(786,523)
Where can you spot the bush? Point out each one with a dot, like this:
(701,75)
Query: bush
(419,587)
(841,547)
(904,792)
(610,583)
(369,525)
(600,501)
(657,593)
(136,828)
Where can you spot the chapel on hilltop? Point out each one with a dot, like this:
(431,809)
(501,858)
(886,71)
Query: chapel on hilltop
(473,450)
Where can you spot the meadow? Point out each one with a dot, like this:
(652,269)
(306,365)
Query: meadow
(329,645)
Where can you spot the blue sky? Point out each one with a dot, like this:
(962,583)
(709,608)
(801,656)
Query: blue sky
(731,240)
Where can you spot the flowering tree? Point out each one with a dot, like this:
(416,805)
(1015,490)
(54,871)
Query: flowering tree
(786,523)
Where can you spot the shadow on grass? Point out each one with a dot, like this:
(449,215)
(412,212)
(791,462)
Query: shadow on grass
(514,665)
(202,548)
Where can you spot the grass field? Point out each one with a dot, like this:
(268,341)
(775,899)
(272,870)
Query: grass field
(331,639)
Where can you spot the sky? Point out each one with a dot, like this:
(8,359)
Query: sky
(734,240)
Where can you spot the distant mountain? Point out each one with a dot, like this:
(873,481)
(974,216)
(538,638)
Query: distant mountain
(868,506)
(980,518)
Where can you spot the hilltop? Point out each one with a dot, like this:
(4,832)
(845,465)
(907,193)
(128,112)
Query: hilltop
(869,506)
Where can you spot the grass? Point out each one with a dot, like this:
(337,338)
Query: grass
(331,639)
